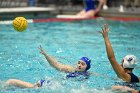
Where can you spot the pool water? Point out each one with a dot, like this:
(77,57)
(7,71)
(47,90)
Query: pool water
(20,56)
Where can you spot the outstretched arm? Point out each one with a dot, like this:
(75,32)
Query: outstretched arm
(125,89)
(110,53)
(19,83)
(56,64)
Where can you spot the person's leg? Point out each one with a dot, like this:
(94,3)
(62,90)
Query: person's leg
(19,83)
(105,2)
(81,13)
(89,14)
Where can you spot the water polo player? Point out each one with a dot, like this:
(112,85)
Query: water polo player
(90,10)
(129,62)
(81,70)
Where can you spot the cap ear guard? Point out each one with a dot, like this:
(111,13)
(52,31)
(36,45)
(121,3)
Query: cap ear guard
(129,61)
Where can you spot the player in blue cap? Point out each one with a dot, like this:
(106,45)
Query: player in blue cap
(90,9)
(81,70)
(124,70)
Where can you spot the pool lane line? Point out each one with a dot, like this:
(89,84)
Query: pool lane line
(74,19)
(10,21)
(123,18)
(71,19)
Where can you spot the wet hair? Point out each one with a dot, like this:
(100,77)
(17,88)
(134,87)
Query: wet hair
(131,69)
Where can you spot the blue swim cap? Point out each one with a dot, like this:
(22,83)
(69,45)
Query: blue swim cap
(87,61)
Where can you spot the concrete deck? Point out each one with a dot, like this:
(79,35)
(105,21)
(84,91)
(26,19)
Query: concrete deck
(111,12)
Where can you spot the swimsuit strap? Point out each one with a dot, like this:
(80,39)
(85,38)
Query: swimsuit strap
(134,78)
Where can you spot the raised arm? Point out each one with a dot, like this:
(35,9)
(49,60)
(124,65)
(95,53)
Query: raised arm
(110,53)
(56,64)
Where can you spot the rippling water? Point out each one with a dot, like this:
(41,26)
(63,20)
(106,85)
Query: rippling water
(66,42)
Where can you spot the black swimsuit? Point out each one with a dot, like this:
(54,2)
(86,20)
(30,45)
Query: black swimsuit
(134,78)
(132,84)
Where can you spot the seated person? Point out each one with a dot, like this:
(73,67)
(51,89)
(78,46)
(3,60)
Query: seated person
(82,68)
(90,10)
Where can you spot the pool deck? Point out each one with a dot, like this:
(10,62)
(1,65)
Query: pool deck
(115,12)
(111,12)
(42,12)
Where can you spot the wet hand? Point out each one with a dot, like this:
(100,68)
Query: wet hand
(105,30)
(42,51)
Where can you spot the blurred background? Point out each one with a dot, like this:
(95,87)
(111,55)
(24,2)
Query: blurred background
(28,3)
(41,8)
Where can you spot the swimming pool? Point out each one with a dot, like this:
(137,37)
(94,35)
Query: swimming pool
(67,42)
